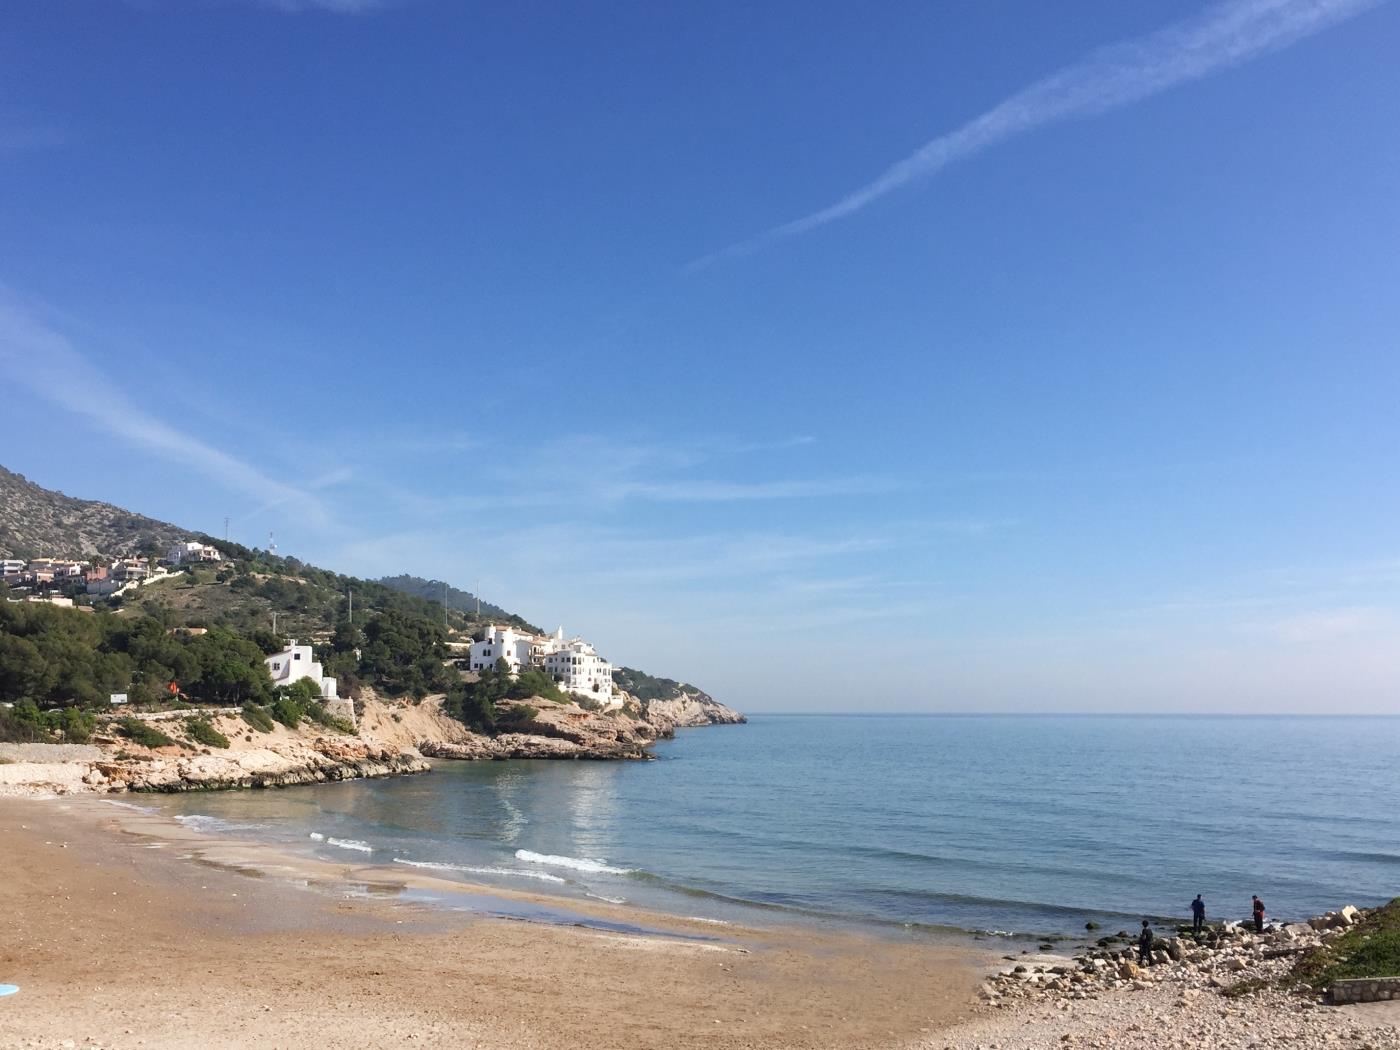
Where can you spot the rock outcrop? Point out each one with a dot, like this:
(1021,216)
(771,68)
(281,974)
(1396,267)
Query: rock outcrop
(394,738)
(540,729)
(689,710)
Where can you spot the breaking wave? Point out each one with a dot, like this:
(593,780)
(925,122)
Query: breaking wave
(523,873)
(354,844)
(592,867)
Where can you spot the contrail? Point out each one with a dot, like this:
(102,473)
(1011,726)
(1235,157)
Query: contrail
(1222,36)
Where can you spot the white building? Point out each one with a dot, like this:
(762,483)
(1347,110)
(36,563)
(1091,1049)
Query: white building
(517,648)
(11,566)
(182,553)
(572,663)
(296,662)
(577,668)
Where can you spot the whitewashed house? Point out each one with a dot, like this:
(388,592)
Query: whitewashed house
(577,668)
(517,648)
(573,664)
(184,553)
(296,662)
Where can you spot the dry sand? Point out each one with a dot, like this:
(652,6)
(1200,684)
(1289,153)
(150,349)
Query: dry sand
(129,930)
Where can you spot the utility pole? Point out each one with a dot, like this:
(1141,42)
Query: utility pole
(444,605)
(350,597)
(225,528)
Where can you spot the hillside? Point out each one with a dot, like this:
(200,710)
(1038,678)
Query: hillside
(38,522)
(397,639)
(461,601)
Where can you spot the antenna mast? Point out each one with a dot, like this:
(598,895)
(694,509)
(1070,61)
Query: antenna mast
(350,597)
(225,528)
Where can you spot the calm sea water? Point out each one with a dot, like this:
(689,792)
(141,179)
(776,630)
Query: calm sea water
(1026,825)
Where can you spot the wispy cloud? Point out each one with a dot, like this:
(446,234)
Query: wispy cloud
(37,356)
(1224,35)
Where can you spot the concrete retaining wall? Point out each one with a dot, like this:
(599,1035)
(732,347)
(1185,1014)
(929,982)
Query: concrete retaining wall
(1366,990)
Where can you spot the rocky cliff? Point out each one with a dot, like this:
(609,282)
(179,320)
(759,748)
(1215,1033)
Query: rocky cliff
(690,709)
(395,737)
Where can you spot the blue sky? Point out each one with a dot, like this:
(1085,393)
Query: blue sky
(959,356)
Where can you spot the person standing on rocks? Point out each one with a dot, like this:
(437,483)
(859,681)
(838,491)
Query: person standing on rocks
(1145,944)
(1258,914)
(1198,914)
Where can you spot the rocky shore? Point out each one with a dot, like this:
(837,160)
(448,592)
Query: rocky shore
(1230,988)
(394,737)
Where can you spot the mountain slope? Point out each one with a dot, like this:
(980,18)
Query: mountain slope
(36,522)
(462,601)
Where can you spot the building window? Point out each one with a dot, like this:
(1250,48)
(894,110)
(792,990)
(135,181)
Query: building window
(296,656)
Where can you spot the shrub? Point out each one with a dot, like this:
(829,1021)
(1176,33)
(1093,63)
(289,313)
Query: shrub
(1371,949)
(287,711)
(77,724)
(317,713)
(257,717)
(202,731)
(143,733)
(518,714)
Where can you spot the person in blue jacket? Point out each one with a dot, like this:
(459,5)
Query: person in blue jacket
(1198,914)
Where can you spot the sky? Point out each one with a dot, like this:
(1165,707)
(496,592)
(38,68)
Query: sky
(964,356)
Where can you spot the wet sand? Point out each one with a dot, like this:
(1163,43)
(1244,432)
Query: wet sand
(125,929)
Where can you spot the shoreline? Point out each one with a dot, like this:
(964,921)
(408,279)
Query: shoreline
(120,924)
(126,928)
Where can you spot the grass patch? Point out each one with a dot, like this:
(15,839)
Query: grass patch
(1371,949)
(203,732)
(257,717)
(139,732)
(317,713)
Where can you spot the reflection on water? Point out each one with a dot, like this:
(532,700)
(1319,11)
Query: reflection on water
(999,823)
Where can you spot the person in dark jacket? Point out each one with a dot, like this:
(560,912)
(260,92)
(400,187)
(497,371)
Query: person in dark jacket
(1145,944)
(1198,914)
(1258,915)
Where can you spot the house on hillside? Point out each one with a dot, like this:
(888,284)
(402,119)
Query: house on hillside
(296,662)
(573,663)
(186,553)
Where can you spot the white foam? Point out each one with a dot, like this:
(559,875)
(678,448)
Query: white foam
(712,922)
(543,876)
(205,823)
(593,867)
(127,805)
(609,900)
(317,836)
(354,844)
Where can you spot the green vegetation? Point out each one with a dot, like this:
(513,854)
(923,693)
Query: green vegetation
(474,703)
(288,711)
(1370,949)
(646,687)
(25,723)
(257,717)
(405,654)
(459,601)
(57,657)
(317,712)
(143,733)
(203,732)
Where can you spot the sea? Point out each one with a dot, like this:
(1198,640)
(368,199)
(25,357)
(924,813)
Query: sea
(1011,826)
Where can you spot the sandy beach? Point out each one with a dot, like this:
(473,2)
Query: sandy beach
(124,929)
